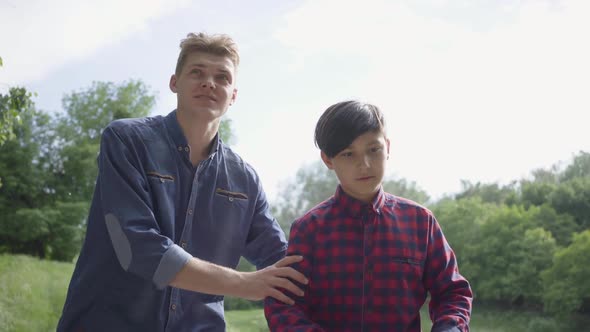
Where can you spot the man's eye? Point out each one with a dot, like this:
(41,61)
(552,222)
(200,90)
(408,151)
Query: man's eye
(196,71)
(346,154)
(223,77)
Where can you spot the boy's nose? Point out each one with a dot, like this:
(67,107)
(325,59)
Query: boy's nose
(364,162)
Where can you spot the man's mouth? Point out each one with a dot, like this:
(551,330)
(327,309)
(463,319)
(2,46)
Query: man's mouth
(206,97)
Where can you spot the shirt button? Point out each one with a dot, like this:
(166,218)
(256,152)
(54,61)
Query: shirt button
(183,245)
(173,306)
(186,148)
(231,199)
(180,148)
(190,211)
(161,180)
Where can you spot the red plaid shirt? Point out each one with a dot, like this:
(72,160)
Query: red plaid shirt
(370,267)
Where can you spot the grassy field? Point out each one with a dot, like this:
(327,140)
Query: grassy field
(32,293)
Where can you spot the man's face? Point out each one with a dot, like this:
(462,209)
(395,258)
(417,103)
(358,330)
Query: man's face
(205,86)
(361,166)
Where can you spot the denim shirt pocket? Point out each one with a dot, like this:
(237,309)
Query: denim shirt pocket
(162,189)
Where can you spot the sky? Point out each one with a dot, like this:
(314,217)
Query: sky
(482,90)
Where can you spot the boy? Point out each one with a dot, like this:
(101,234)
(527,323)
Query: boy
(370,257)
(173,210)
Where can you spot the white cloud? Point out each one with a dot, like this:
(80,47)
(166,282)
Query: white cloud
(464,101)
(36,37)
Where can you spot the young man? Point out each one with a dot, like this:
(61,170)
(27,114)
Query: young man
(371,257)
(174,208)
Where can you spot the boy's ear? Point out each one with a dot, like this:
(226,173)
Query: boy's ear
(327,160)
(387,142)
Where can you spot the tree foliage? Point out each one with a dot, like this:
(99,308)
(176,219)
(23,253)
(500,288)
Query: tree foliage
(566,283)
(50,168)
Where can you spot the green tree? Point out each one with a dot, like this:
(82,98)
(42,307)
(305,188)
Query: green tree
(512,252)
(13,107)
(573,197)
(566,284)
(226,131)
(50,169)
(578,168)
(24,188)
(313,183)
(78,130)
(488,193)
(461,222)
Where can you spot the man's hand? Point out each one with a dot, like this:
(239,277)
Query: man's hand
(260,284)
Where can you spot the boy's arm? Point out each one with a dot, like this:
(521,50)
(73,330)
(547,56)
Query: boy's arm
(450,293)
(283,317)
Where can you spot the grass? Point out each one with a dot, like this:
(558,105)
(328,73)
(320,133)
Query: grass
(32,293)
(246,321)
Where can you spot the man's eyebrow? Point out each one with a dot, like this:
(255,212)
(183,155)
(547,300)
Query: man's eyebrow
(200,65)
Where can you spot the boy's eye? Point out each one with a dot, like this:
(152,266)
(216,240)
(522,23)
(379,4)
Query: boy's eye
(196,71)
(376,149)
(346,154)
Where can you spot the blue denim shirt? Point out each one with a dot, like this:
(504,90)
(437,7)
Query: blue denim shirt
(151,211)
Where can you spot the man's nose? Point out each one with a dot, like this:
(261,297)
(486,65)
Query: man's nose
(207,83)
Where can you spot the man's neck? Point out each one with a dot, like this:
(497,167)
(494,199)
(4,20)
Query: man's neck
(199,134)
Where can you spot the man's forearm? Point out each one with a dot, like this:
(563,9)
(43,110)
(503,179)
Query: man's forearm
(204,277)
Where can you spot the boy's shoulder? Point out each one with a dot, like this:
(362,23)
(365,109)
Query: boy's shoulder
(401,204)
(317,213)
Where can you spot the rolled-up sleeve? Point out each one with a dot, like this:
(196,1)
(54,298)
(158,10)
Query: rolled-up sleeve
(134,231)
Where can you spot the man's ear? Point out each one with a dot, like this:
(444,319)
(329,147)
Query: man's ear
(233,96)
(172,84)
(387,143)
(327,160)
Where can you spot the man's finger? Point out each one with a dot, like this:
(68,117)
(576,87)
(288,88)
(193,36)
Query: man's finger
(288,285)
(289,272)
(278,295)
(289,260)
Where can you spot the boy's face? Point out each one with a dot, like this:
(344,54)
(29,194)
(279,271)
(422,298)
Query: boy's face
(205,86)
(361,166)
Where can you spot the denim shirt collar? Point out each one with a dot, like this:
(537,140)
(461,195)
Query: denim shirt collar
(178,138)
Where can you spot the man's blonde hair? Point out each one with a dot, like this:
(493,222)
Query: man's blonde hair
(218,44)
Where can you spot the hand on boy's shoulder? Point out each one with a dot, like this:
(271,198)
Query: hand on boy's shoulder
(266,282)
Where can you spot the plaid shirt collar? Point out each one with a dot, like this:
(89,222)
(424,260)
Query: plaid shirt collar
(355,207)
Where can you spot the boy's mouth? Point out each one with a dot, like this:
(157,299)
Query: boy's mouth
(364,178)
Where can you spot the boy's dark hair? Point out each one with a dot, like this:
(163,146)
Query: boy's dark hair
(343,122)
